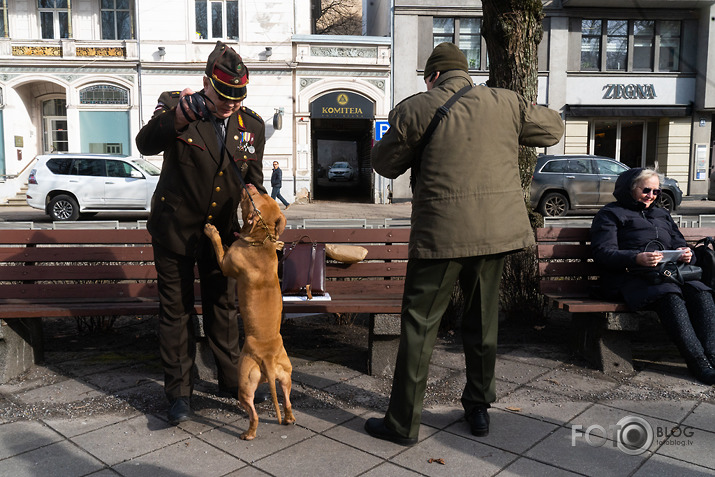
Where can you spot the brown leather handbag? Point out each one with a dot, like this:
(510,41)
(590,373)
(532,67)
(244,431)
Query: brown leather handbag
(303,266)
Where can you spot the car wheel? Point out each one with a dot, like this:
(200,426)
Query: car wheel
(554,204)
(63,207)
(667,202)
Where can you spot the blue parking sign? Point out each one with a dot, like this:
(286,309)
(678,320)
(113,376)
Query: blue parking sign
(381,128)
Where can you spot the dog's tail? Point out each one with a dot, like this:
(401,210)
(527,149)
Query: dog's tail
(269,372)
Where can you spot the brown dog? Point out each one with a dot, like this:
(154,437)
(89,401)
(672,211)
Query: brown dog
(252,260)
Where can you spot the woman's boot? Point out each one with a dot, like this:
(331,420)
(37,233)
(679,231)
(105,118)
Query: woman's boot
(702,370)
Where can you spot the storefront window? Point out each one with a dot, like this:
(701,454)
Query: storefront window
(669,59)
(604,138)
(630,141)
(617,45)
(590,45)
(654,45)
(643,38)
(464,32)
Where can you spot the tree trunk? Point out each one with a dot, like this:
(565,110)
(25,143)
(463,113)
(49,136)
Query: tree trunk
(513,30)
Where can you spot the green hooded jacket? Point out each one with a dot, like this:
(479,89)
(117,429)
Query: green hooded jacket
(467,199)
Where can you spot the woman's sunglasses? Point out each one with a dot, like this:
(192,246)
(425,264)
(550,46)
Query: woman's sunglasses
(648,190)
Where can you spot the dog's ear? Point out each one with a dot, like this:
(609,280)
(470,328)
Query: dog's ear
(280,225)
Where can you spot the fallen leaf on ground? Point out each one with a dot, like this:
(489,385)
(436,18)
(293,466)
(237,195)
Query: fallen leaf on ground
(512,408)
(436,461)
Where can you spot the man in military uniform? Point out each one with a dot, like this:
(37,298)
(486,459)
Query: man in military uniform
(467,212)
(205,150)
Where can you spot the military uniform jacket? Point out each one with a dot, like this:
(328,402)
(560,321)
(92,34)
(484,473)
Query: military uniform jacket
(467,199)
(198,184)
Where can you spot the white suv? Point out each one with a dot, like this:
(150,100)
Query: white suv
(67,185)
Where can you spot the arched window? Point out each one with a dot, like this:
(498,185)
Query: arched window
(103,94)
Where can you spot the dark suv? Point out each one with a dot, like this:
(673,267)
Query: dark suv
(563,183)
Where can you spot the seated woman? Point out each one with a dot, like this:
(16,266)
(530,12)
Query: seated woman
(620,233)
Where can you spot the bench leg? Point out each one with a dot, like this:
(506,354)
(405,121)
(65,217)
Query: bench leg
(21,346)
(383,341)
(606,348)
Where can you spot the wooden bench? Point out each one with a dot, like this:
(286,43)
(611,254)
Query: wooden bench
(567,278)
(85,273)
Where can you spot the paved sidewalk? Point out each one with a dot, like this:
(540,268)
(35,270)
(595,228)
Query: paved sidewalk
(100,411)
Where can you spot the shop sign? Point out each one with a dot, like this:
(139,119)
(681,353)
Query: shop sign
(342,105)
(629,91)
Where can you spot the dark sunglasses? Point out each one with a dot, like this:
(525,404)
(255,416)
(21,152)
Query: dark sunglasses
(648,190)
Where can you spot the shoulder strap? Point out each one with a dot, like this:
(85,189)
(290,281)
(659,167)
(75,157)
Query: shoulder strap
(441,113)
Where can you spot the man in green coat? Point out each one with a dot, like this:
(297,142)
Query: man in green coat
(468,212)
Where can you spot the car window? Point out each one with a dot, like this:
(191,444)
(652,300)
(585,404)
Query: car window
(555,166)
(147,167)
(119,169)
(580,166)
(610,167)
(89,167)
(60,166)
(341,164)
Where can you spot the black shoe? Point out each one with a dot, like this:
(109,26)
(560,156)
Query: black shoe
(179,411)
(701,369)
(258,398)
(711,359)
(376,428)
(478,421)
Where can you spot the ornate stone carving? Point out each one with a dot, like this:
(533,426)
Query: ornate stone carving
(343,52)
(305,82)
(379,84)
(36,51)
(100,51)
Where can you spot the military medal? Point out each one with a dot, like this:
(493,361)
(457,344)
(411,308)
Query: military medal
(251,149)
(244,167)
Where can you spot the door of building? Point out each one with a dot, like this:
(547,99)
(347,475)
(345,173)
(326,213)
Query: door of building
(54,126)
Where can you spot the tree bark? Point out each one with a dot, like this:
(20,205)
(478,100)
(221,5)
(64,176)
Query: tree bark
(513,30)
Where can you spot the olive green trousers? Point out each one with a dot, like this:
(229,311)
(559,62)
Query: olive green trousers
(428,288)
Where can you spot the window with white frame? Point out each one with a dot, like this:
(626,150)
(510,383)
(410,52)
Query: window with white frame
(465,32)
(103,94)
(54,18)
(3,19)
(216,19)
(117,22)
(630,45)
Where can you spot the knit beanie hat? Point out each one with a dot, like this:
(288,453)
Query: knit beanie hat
(444,57)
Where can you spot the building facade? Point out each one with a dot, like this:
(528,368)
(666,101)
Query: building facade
(85,75)
(632,78)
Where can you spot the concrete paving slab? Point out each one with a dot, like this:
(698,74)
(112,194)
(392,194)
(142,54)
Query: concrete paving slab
(388,469)
(69,390)
(321,374)
(508,431)
(75,427)
(320,420)
(190,457)
(318,456)
(666,467)
(583,458)
(93,363)
(541,405)
(23,436)
(672,411)
(362,391)
(118,379)
(271,437)
(518,371)
(579,384)
(247,471)
(441,417)
(702,417)
(461,456)
(546,356)
(673,382)
(353,433)
(208,418)
(524,466)
(691,445)
(61,458)
(129,439)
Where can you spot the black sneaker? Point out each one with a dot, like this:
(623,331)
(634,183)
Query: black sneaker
(478,421)
(376,428)
(179,411)
(701,369)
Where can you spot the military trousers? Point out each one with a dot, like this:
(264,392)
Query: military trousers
(177,337)
(428,287)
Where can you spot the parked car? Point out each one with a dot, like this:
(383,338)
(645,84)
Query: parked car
(67,186)
(563,183)
(340,171)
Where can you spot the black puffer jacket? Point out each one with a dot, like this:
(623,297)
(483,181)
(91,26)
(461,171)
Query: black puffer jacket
(623,229)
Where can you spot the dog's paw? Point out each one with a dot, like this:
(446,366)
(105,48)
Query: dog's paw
(210,230)
(247,436)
